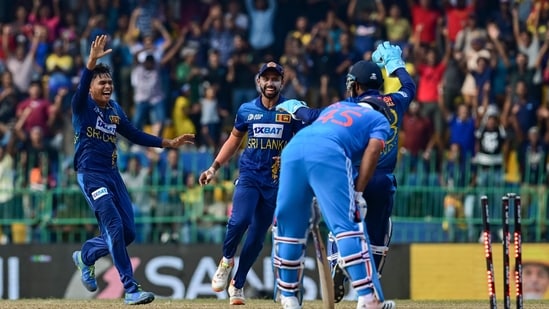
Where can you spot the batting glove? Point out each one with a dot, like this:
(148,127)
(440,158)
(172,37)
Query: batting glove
(291,106)
(315,214)
(360,207)
(390,56)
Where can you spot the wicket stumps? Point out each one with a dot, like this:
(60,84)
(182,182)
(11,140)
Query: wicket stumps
(506,201)
(488,252)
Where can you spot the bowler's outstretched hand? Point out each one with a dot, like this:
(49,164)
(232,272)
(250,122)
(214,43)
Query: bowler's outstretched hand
(180,140)
(97,49)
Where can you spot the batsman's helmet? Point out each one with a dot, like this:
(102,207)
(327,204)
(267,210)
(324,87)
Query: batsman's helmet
(366,73)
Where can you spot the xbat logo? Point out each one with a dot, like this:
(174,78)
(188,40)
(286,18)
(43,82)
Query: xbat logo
(268,130)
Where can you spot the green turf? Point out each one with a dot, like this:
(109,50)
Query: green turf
(250,304)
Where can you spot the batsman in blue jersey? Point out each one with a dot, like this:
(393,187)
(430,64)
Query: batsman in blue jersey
(254,198)
(96,120)
(380,191)
(347,138)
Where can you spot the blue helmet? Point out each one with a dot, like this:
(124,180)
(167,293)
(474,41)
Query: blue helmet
(377,103)
(366,73)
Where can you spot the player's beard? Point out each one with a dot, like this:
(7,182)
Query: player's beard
(270,95)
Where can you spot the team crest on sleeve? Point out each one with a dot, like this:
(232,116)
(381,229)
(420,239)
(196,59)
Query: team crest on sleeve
(99,193)
(285,118)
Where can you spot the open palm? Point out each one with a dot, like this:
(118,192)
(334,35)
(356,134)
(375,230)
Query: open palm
(97,49)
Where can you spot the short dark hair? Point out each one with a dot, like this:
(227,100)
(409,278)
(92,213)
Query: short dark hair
(101,69)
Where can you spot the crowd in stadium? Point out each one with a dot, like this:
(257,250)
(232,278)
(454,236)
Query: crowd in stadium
(480,113)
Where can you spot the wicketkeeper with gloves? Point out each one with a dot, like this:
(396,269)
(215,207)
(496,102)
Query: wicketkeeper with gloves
(365,80)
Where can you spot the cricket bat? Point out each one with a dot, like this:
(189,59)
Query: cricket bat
(326,283)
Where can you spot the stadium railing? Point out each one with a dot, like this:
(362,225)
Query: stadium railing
(432,204)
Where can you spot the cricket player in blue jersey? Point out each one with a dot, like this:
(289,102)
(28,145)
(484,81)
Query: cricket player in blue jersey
(365,79)
(96,120)
(346,135)
(254,198)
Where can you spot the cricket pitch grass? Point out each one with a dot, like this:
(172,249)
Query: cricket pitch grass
(250,304)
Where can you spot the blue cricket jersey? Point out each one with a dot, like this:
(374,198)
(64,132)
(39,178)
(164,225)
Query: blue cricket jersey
(348,126)
(398,102)
(268,132)
(95,130)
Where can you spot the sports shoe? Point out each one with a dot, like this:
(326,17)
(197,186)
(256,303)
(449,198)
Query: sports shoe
(339,278)
(87,272)
(289,302)
(236,296)
(138,298)
(373,303)
(221,276)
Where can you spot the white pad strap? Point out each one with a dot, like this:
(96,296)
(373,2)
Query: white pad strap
(352,259)
(292,287)
(379,250)
(362,257)
(351,234)
(280,263)
(334,254)
(290,240)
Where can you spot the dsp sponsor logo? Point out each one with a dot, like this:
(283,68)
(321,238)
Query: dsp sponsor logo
(268,130)
(255,117)
(105,127)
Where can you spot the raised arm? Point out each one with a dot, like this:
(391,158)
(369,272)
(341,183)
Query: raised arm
(132,32)
(39,34)
(447,48)
(215,12)
(6,32)
(33,15)
(176,46)
(97,50)
(408,85)
(56,9)
(516,25)
(351,9)
(164,33)
(493,34)
(381,12)
(56,107)
(543,50)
